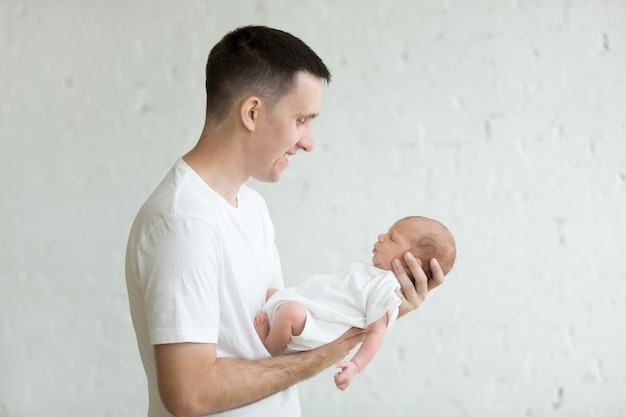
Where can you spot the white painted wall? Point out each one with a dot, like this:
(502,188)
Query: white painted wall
(504,119)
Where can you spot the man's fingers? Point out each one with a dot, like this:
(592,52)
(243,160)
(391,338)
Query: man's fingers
(421,281)
(405,282)
(438,275)
(414,292)
(415,265)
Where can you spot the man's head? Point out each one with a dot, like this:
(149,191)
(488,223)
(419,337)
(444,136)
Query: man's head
(425,238)
(256,60)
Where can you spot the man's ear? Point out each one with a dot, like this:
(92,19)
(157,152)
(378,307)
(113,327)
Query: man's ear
(249,112)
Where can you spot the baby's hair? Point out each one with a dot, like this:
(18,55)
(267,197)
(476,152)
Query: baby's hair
(434,245)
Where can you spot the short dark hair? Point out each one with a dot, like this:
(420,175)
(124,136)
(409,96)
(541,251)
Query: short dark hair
(256,60)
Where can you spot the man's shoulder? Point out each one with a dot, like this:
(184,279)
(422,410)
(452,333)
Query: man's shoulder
(181,194)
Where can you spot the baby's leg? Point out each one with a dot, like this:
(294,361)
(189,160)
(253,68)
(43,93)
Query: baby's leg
(289,320)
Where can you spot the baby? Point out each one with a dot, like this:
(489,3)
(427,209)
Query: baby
(360,295)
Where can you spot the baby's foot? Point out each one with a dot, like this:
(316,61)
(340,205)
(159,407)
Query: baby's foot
(262,326)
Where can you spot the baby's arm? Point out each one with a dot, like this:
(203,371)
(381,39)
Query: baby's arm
(374,336)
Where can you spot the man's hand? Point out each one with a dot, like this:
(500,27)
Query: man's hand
(340,348)
(413,295)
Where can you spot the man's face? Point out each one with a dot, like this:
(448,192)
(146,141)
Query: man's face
(286,128)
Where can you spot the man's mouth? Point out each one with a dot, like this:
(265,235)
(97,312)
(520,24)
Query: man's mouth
(288,156)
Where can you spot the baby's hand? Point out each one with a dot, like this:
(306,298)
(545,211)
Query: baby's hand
(344,377)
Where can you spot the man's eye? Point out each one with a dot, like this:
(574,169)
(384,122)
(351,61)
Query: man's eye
(300,122)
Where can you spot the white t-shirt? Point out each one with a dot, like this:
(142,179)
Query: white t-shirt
(354,296)
(197,270)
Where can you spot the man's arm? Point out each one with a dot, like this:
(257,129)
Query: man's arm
(374,337)
(413,296)
(193,381)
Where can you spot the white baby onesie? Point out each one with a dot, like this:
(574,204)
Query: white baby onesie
(355,296)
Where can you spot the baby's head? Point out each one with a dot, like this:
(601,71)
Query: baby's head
(425,238)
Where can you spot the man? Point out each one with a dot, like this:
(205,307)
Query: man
(201,252)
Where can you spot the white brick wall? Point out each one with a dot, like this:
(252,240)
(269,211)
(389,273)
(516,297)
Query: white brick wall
(505,120)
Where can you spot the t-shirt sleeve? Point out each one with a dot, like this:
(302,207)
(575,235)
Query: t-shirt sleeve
(179,264)
(383,299)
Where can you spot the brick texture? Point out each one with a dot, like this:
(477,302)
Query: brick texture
(505,120)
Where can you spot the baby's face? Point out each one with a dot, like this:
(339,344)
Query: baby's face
(391,245)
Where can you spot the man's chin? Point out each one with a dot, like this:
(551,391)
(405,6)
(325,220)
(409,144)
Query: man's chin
(268,179)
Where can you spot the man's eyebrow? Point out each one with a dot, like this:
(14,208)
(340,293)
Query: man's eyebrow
(309,116)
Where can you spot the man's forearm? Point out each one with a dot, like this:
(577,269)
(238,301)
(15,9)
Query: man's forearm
(244,382)
(190,385)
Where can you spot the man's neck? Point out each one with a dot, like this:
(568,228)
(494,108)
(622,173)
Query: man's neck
(219,163)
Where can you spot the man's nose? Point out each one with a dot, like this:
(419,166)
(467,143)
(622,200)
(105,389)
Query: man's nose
(307,142)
